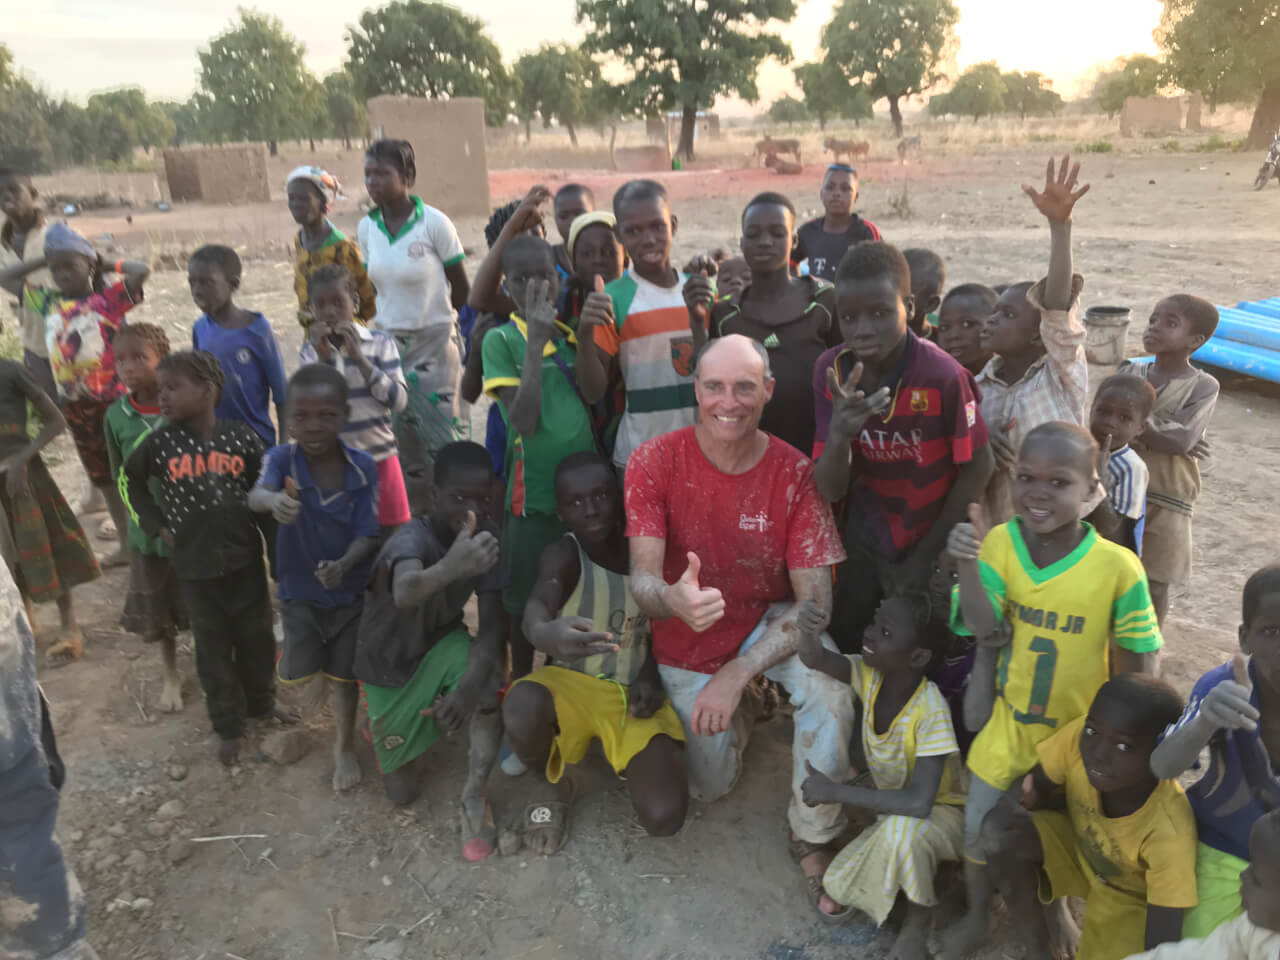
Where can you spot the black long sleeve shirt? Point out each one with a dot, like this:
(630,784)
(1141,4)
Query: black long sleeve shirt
(204,496)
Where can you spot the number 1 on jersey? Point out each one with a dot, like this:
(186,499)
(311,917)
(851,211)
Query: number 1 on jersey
(1041,683)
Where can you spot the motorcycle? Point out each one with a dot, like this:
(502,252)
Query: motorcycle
(1270,166)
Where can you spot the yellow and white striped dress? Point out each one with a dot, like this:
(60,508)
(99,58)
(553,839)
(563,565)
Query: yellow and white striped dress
(899,853)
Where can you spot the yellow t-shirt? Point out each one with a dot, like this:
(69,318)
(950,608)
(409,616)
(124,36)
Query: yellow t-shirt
(1150,854)
(922,728)
(1064,618)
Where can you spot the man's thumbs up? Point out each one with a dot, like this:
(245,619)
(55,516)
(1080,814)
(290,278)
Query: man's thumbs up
(697,606)
(468,528)
(965,540)
(1240,671)
(291,488)
(978,520)
(287,505)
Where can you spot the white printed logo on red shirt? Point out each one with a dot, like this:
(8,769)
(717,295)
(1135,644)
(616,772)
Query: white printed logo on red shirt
(971,413)
(756,524)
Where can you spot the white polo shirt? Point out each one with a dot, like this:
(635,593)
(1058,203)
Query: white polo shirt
(407,270)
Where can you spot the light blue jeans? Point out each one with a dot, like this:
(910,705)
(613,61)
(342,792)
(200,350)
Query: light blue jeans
(823,726)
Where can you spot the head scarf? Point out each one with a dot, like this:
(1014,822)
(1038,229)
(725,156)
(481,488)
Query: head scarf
(585,220)
(60,238)
(322,180)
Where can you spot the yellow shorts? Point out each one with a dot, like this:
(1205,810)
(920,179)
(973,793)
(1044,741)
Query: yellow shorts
(1115,921)
(588,708)
(1005,750)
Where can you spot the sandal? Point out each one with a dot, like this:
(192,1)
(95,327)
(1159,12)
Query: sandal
(814,891)
(478,840)
(548,816)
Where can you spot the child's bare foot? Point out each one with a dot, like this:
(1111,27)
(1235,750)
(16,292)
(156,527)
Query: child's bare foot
(1064,933)
(229,750)
(286,715)
(965,936)
(171,694)
(912,941)
(68,649)
(479,832)
(346,770)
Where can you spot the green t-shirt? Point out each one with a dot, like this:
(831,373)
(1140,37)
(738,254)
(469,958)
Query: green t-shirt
(564,424)
(126,425)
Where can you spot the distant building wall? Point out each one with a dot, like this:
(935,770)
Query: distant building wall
(138,189)
(642,159)
(1150,115)
(448,138)
(231,174)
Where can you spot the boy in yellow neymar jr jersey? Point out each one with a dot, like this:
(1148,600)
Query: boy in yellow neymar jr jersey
(1079,609)
(1126,842)
(602,682)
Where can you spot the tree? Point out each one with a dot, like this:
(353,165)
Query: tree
(428,50)
(120,121)
(893,46)
(1030,94)
(1136,76)
(609,104)
(25,141)
(828,94)
(978,92)
(190,120)
(255,78)
(347,114)
(7,74)
(684,54)
(555,83)
(1227,50)
(787,110)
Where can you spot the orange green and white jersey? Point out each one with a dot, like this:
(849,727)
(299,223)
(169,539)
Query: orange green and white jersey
(654,346)
(1064,617)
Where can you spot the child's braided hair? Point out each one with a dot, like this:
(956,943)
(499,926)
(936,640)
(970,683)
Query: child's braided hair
(332,275)
(397,153)
(200,366)
(150,334)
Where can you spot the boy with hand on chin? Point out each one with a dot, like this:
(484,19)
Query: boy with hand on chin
(602,680)
(413,650)
(1079,610)
(641,322)
(898,435)
(323,495)
(1038,373)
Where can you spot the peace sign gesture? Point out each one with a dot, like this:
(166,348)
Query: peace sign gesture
(1059,196)
(851,407)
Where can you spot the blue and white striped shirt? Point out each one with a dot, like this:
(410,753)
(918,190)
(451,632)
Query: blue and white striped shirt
(1128,481)
(371,402)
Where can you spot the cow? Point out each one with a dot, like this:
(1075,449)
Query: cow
(771,147)
(784,167)
(850,148)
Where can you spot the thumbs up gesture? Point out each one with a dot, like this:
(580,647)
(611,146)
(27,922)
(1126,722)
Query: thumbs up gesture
(817,787)
(471,553)
(699,292)
(287,506)
(965,540)
(1228,705)
(696,605)
(597,309)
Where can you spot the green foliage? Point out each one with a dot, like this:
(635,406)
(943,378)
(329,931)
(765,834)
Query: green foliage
(1171,146)
(555,83)
(684,55)
(256,82)
(788,110)
(1225,51)
(120,121)
(25,138)
(892,46)
(1098,146)
(978,92)
(829,95)
(1030,94)
(347,114)
(1137,76)
(1216,143)
(428,50)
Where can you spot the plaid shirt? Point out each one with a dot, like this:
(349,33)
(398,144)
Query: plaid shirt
(1055,387)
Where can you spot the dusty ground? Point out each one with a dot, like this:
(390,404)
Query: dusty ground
(1155,223)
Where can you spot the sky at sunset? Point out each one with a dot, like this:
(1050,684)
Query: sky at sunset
(72,49)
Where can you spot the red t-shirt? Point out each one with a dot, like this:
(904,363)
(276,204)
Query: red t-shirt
(748,529)
(906,461)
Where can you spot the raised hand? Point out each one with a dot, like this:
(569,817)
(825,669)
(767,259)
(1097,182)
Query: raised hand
(1228,705)
(597,309)
(287,506)
(471,553)
(539,311)
(851,407)
(1059,196)
(699,293)
(528,215)
(572,638)
(965,539)
(697,606)
(1101,464)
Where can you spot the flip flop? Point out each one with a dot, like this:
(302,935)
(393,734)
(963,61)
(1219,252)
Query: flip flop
(814,891)
(549,815)
(478,840)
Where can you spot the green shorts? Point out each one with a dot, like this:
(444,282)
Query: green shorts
(523,540)
(400,731)
(1218,889)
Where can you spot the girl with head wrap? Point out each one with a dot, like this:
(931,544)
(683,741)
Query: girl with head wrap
(318,243)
